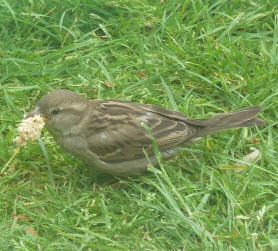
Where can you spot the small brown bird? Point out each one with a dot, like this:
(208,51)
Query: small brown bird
(108,134)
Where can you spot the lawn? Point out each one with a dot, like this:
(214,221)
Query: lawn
(196,57)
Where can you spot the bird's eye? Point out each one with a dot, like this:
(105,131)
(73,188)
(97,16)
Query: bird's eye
(55,111)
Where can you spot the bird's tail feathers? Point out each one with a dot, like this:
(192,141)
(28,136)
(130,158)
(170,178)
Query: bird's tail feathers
(224,121)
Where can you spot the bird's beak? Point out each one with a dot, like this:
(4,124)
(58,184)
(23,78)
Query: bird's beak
(31,114)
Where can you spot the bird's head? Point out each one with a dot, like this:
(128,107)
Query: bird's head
(61,109)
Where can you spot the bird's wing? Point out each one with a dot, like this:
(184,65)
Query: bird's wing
(115,131)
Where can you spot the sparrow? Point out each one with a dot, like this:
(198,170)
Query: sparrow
(109,134)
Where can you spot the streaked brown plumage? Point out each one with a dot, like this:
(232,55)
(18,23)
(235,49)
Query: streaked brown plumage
(108,134)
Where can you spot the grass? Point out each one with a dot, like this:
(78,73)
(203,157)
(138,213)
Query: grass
(197,57)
